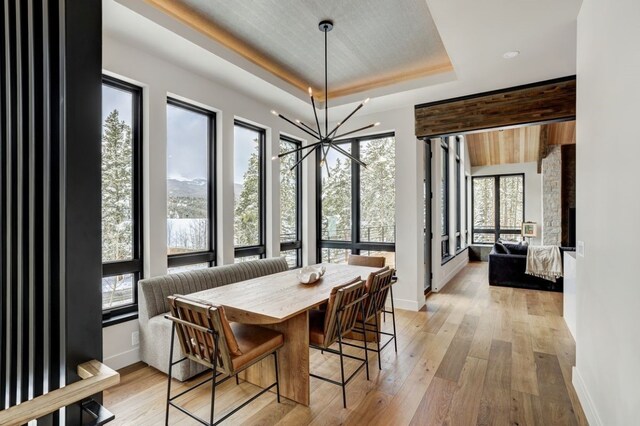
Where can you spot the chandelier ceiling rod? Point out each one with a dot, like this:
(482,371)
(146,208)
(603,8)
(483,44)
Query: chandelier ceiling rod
(329,139)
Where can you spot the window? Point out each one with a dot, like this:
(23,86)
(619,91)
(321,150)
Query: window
(249,191)
(290,203)
(121,196)
(444,197)
(466,210)
(356,205)
(458,197)
(498,207)
(190,187)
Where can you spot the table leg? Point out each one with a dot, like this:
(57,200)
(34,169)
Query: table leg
(293,361)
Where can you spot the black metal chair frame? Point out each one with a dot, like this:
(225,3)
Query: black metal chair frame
(214,375)
(376,328)
(365,362)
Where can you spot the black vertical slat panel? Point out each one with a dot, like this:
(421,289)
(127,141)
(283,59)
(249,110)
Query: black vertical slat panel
(11,192)
(24,208)
(37,226)
(50,114)
(3,167)
(54,248)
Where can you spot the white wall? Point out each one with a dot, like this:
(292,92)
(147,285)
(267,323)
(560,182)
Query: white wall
(443,273)
(532,189)
(607,372)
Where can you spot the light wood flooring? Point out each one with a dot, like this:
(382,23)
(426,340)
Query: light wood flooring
(478,355)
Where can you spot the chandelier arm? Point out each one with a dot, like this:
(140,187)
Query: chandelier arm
(347,154)
(345,120)
(326,163)
(356,131)
(296,124)
(298,149)
(302,123)
(305,156)
(315,113)
(326,88)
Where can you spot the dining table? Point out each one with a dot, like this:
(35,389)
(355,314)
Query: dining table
(281,302)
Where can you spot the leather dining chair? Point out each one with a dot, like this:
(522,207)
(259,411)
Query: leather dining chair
(372,261)
(378,286)
(207,337)
(328,326)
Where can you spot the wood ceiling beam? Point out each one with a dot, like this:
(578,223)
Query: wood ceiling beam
(542,102)
(543,147)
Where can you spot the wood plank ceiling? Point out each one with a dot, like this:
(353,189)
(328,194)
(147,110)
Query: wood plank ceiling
(519,145)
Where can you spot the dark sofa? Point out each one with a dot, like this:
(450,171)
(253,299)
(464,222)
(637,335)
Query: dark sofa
(507,263)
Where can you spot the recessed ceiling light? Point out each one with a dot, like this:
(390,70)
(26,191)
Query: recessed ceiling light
(511,54)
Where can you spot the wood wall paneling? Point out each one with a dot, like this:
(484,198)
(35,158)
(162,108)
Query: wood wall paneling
(536,103)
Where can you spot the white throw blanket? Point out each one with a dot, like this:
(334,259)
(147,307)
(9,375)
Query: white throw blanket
(544,262)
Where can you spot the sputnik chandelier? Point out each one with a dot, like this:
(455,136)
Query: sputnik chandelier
(328,139)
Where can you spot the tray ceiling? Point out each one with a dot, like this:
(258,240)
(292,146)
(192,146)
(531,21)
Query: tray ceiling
(374,43)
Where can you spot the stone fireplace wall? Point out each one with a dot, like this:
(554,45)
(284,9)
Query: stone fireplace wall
(552,197)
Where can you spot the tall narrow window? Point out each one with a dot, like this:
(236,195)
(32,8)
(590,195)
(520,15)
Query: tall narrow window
(190,186)
(249,191)
(444,197)
(290,203)
(498,207)
(121,196)
(466,210)
(458,197)
(356,212)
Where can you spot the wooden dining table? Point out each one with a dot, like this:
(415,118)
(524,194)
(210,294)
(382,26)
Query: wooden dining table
(280,302)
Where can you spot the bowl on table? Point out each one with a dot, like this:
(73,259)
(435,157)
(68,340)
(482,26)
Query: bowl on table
(310,274)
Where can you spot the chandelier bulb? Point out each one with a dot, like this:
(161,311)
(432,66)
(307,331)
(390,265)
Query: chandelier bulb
(376,124)
(275,157)
(274,112)
(321,163)
(310,91)
(365,101)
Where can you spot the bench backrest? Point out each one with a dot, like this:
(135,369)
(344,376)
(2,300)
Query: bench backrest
(153,292)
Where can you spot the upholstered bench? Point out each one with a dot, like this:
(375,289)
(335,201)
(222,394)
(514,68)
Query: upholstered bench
(155,330)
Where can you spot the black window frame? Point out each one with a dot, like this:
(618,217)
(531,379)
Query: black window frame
(444,238)
(260,249)
(497,230)
(206,256)
(135,265)
(458,196)
(297,243)
(355,245)
(466,210)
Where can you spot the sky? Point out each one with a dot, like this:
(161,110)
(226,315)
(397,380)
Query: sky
(244,145)
(187,144)
(113,98)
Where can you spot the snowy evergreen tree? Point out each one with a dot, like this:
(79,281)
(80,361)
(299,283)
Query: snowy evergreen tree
(247,208)
(116,196)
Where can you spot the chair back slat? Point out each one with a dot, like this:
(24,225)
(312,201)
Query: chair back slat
(345,308)
(371,261)
(378,292)
(197,327)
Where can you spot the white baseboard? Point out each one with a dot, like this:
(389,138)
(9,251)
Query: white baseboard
(588,406)
(459,267)
(407,305)
(123,359)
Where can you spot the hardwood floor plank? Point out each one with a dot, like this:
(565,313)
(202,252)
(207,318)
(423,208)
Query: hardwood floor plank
(495,404)
(526,410)
(554,397)
(477,355)
(434,407)
(466,399)
(523,373)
